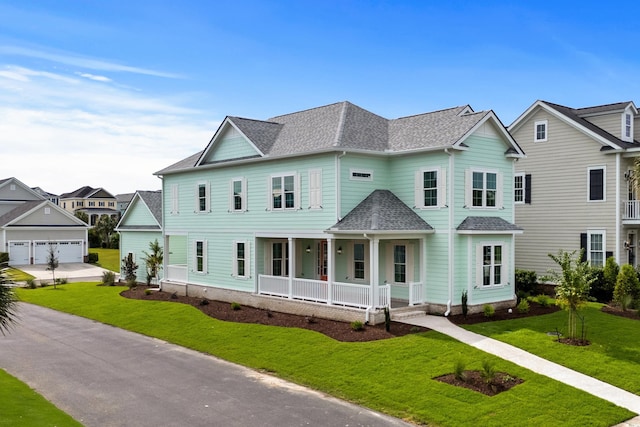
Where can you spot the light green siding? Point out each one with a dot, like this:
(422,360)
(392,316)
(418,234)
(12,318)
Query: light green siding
(137,242)
(138,214)
(231,145)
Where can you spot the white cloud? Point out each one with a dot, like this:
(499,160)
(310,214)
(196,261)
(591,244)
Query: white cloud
(61,132)
(94,77)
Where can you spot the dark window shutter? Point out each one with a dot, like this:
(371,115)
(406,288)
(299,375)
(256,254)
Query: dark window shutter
(596,184)
(527,188)
(583,246)
(609,254)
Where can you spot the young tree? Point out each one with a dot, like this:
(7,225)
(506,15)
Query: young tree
(573,284)
(153,260)
(105,227)
(52,262)
(82,216)
(627,287)
(129,268)
(7,302)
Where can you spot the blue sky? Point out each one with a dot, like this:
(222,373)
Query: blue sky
(104,93)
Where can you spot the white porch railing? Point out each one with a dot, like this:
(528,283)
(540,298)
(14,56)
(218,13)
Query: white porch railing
(347,294)
(631,209)
(416,293)
(177,273)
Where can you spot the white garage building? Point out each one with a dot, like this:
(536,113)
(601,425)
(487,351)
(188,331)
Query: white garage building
(30,225)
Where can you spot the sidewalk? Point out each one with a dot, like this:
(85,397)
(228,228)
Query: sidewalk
(537,364)
(73,272)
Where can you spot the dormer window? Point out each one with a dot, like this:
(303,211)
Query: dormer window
(627,127)
(540,131)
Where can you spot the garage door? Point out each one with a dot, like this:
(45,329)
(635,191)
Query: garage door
(66,251)
(19,253)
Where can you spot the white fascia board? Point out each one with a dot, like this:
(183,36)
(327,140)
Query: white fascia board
(226,122)
(501,129)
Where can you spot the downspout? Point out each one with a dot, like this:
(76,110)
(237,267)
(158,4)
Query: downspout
(338,185)
(618,202)
(450,231)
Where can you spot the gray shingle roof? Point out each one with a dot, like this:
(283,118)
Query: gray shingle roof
(382,211)
(345,126)
(153,199)
(19,211)
(486,223)
(575,115)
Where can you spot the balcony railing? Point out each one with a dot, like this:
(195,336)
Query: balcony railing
(334,293)
(631,210)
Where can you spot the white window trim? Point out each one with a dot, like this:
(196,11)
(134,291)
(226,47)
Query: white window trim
(351,268)
(175,204)
(247,259)
(409,272)
(624,126)
(204,256)
(353,172)
(296,191)
(243,195)
(504,274)
(604,183)
(469,189)
(591,232)
(315,188)
(441,188)
(268,256)
(546,131)
(523,189)
(207,197)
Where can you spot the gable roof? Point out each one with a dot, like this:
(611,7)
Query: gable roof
(382,211)
(87,192)
(153,202)
(344,126)
(26,208)
(8,181)
(576,118)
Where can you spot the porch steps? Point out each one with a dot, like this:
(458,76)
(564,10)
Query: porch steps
(406,313)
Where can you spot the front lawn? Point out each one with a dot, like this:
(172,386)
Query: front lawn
(613,356)
(108,258)
(394,376)
(18,275)
(22,406)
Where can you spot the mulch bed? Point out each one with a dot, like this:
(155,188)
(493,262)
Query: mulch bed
(474,381)
(340,331)
(617,311)
(535,309)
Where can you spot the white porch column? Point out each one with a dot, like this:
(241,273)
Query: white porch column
(290,265)
(374,270)
(423,268)
(331,257)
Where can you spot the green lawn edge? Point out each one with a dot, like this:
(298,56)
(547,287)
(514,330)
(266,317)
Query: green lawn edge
(23,406)
(107,258)
(394,376)
(613,355)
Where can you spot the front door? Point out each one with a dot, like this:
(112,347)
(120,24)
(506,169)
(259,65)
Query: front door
(322,260)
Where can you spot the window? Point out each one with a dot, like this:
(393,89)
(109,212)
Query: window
(91,204)
(627,127)
(596,245)
(315,189)
(101,204)
(518,188)
(203,203)
(430,191)
(111,204)
(491,265)
(80,204)
(596,183)
(283,192)
(358,261)
(361,175)
(238,199)
(485,189)
(399,263)
(200,256)
(241,259)
(279,259)
(540,131)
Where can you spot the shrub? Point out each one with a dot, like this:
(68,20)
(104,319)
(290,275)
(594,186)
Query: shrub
(357,325)
(488,371)
(523,306)
(62,281)
(526,281)
(543,300)
(459,370)
(44,284)
(235,306)
(204,301)
(92,258)
(31,283)
(488,310)
(627,285)
(4,257)
(601,289)
(132,283)
(465,307)
(108,278)
(147,291)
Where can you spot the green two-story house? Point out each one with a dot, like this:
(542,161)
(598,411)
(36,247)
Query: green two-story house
(338,212)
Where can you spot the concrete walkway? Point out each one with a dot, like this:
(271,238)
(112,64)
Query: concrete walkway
(536,364)
(73,272)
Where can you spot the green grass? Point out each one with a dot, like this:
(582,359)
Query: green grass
(18,275)
(394,376)
(613,356)
(108,258)
(22,406)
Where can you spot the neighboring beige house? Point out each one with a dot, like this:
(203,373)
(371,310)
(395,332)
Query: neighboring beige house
(30,225)
(95,202)
(572,190)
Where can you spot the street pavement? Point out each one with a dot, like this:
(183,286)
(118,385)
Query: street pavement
(105,376)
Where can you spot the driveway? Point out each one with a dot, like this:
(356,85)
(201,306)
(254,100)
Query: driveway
(105,376)
(73,272)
